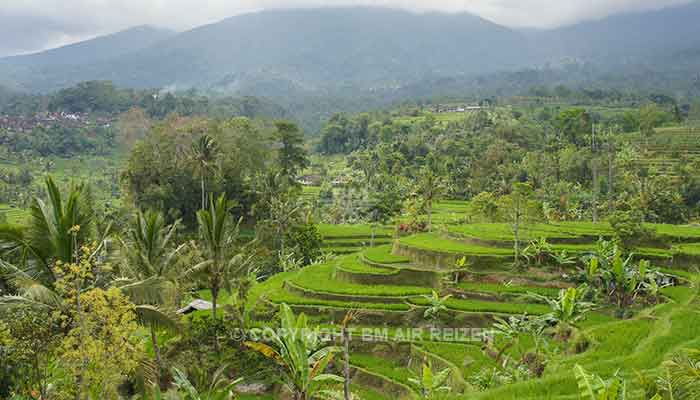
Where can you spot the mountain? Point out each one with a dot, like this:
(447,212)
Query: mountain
(61,67)
(624,38)
(310,49)
(99,49)
(368,53)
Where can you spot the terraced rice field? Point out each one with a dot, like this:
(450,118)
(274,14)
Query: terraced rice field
(391,283)
(670,149)
(12,215)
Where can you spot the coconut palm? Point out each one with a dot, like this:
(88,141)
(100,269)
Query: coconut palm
(204,152)
(150,258)
(225,259)
(55,232)
(50,235)
(301,354)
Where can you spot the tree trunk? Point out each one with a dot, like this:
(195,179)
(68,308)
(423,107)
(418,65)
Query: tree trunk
(516,238)
(156,350)
(595,189)
(430,216)
(204,200)
(214,298)
(611,177)
(346,356)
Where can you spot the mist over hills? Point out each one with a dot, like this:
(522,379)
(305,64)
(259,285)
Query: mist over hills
(358,51)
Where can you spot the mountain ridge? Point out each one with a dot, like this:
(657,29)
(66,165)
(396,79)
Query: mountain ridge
(346,50)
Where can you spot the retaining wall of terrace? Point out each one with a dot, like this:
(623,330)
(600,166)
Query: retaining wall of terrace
(446,261)
(403,276)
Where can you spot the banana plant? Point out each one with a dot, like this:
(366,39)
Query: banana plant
(593,387)
(538,250)
(563,259)
(430,383)
(567,309)
(301,354)
(437,305)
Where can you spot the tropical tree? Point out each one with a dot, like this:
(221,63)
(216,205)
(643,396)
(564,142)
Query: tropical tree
(430,383)
(301,353)
(49,235)
(225,259)
(292,157)
(203,153)
(518,207)
(150,259)
(430,187)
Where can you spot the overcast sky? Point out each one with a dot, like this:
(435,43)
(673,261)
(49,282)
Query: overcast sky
(33,25)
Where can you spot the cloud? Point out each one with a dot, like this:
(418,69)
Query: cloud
(31,25)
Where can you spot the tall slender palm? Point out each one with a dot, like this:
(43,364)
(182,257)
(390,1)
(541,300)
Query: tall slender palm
(225,259)
(150,257)
(204,152)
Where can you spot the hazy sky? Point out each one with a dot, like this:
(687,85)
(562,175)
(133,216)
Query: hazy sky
(32,25)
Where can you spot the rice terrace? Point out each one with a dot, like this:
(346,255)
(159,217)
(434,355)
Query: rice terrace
(323,201)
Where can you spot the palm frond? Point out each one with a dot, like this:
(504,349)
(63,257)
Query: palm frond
(153,316)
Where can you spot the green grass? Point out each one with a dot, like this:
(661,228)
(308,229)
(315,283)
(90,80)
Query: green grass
(504,232)
(382,255)
(321,279)
(329,231)
(469,358)
(356,266)
(471,305)
(383,366)
(283,296)
(435,242)
(632,345)
(692,249)
(507,289)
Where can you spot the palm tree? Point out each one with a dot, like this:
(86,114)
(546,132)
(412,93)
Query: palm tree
(430,383)
(49,235)
(300,353)
(204,152)
(150,258)
(225,259)
(55,232)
